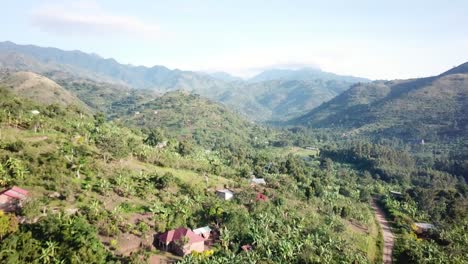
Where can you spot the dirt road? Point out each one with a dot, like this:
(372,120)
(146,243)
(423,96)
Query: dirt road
(387,233)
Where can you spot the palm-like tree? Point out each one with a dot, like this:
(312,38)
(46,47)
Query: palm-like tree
(4,177)
(226,237)
(103,185)
(15,168)
(48,254)
(95,207)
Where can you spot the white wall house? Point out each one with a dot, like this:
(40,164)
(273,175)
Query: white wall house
(225,194)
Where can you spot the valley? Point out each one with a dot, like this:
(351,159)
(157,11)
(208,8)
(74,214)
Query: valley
(102,162)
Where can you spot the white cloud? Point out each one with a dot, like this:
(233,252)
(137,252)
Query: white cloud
(249,62)
(88,18)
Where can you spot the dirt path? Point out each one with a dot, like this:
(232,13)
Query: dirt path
(387,233)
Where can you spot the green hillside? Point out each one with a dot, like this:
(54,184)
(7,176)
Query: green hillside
(100,191)
(112,99)
(433,109)
(192,117)
(275,100)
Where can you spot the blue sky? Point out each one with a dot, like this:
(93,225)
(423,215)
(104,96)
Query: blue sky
(368,38)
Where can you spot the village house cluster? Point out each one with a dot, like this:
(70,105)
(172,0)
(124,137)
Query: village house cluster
(183,240)
(180,241)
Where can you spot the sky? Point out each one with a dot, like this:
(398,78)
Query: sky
(376,39)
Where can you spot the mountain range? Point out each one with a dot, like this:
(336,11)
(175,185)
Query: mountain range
(305,97)
(260,98)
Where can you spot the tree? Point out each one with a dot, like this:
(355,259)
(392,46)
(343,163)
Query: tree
(8,224)
(49,253)
(4,177)
(327,164)
(155,137)
(344,212)
(162,182)
(15,169)
(226,237)
(100,119)
(216,213)
(185,148)
(364,195)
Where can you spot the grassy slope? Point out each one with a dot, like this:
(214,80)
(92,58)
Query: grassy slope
(38,88)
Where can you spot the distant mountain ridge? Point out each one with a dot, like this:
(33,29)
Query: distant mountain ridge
(273,95)
(96,67)
(303,74)
(224,76)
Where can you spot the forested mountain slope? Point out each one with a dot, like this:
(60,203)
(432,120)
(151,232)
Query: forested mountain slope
(433,108)
(191,116)
(281,99)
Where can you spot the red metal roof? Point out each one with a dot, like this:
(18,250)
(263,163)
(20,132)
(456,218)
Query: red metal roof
(15,192)
(177,234)
(19,190)
(261,197)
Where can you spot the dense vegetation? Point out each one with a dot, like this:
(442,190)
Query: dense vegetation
(106,175)
(128,165)
(194,118)
(428,195)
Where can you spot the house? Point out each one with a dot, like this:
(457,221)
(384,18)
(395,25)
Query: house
(247,248)
(395,194)
(204,232)
(181,241)
(314,152)
(261,197)
(225,194)
(421,228)
(257,181)
(11,198)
